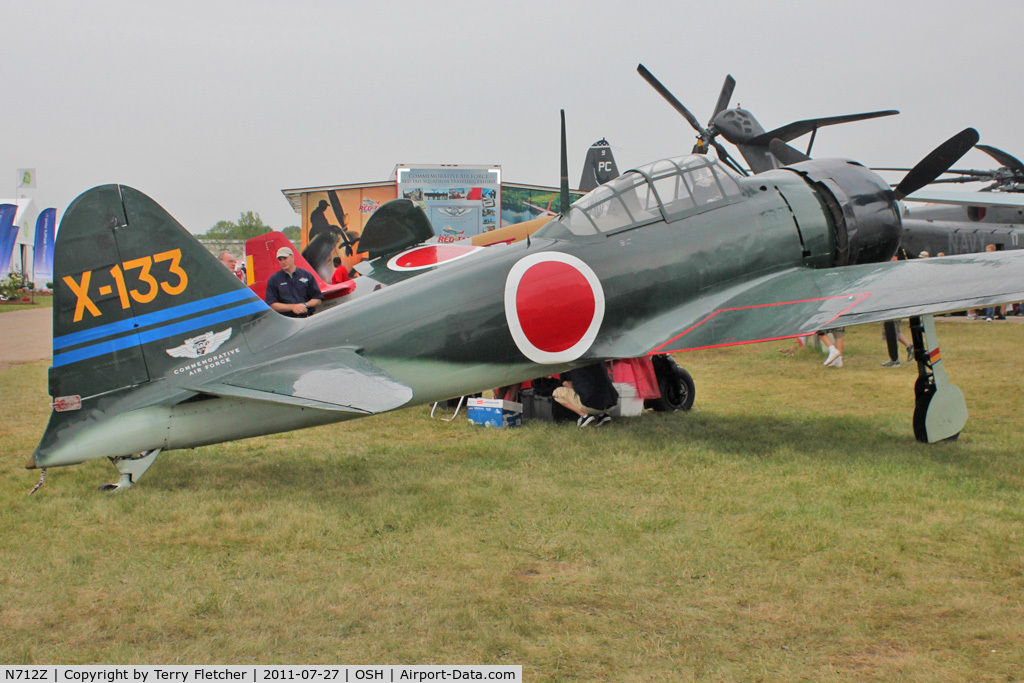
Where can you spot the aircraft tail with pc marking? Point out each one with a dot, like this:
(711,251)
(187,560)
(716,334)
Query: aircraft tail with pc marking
(599,166)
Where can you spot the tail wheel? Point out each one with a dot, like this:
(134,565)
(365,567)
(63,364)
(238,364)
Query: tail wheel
(676,386)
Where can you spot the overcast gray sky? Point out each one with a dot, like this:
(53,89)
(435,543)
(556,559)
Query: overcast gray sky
(212,107)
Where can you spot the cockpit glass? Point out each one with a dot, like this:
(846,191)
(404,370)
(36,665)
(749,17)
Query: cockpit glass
(702,185)
(660,168)
(674,194)
(578,223)
(595,196)
(727,182)
(636,194)
(666,189)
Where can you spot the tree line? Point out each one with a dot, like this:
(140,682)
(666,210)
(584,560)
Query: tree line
(248,225)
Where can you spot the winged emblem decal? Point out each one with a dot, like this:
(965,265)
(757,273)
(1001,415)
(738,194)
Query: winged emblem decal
(455,211)
(201,345)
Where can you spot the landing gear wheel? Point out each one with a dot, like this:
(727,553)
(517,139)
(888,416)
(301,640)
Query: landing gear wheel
(676,386)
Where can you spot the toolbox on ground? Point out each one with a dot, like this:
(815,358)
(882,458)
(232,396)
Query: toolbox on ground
(629,405)
(493,412)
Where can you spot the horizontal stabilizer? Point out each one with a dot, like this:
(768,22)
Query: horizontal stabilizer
(335,379)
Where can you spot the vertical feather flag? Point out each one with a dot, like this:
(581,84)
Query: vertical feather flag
(8,233)
(46,227)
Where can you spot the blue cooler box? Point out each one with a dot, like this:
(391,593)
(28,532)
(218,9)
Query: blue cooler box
(493,412)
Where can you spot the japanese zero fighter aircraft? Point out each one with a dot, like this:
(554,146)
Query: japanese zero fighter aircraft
(158,347)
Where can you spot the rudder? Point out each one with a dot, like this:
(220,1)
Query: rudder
(127,277)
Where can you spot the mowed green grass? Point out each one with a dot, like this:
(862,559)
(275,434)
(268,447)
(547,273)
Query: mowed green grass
(789,528)
(38,300)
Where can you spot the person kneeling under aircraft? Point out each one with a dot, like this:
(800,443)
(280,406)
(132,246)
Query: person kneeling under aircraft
(588,392)
(292,291)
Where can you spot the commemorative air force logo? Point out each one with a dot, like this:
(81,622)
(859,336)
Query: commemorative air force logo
(201,345)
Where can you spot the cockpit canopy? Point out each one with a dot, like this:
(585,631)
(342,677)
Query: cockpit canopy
(664,190)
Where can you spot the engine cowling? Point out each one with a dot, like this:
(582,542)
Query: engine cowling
(864,211)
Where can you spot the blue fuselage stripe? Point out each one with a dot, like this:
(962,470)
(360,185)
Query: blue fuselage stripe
(156,334)
(155,318)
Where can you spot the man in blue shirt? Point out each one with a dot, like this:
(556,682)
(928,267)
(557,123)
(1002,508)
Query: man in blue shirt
(292,291)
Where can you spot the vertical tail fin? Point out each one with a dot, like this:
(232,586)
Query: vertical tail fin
(129,281)
(599,166)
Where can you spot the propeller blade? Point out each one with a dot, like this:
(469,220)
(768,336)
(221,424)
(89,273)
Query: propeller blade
(723,97)
(564,181)
(723,154)
(669,97)
(940,159)
(791,131)
(962,179)
(1007,160)
(786,154)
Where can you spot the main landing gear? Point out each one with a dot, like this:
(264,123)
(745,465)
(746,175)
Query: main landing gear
(675,383)
(131,467)
(940,411)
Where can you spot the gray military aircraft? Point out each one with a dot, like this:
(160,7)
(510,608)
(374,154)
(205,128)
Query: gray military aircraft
(962,222)
(158,347)
(739,127)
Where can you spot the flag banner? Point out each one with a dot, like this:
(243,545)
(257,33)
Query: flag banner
(26,177)
(46,228)
(8,233)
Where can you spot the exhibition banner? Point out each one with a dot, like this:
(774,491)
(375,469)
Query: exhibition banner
(523,203)
(46,228)
(460,201)
(8,233)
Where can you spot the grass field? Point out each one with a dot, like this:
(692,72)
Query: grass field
(38,301)
(789,528)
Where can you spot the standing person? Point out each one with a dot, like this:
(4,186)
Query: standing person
(228,259)
(835,351)
(588,392)
(292,291)
(340,273)
(993,311)
(891,334)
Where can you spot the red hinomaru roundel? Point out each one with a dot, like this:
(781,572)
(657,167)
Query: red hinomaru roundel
(430,255)
(554,305)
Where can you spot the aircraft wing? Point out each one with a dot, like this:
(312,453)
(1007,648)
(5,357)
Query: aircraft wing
(1011,199)
(800,301)
(338,380)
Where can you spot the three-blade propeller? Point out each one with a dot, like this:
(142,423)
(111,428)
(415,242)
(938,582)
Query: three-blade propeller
(705,136)
(923,173)
(1007,178)
(937,162)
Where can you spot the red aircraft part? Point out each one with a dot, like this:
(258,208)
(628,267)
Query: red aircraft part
(261,263)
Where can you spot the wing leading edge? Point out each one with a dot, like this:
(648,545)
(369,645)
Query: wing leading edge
(800,301)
